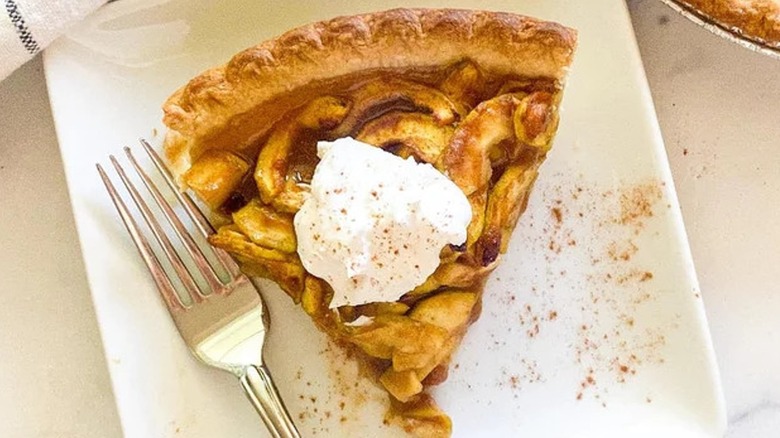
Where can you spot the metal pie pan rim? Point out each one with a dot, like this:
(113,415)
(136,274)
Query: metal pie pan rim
(730,33)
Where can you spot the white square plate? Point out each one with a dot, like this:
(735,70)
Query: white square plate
(593,325)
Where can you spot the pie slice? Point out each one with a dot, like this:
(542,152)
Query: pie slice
(473,93)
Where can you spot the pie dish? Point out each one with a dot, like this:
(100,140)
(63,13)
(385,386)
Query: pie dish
(757,20)
(475,94)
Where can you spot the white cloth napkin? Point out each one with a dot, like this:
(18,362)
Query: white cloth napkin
(28,26)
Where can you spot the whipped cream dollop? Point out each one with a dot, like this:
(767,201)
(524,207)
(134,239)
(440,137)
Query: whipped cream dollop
(374,224)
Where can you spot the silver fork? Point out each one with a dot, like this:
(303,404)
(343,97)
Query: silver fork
(225,325)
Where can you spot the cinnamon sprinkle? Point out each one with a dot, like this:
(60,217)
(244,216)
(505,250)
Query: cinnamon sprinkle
(605,227)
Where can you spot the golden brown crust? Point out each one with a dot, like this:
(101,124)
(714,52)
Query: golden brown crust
(756,19)
(211,104)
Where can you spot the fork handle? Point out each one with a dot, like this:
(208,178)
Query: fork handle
(264,396)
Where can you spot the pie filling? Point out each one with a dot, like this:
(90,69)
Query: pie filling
(486,132)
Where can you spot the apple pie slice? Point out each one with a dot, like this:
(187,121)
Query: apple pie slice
(469,102)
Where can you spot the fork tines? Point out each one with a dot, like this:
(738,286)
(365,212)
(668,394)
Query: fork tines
(190,247)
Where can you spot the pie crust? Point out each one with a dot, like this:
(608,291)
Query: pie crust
(232,105)
(755,19)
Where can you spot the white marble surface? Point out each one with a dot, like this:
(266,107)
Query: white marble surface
(718,106)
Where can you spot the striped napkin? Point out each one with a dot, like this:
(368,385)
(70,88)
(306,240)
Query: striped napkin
(30,25)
